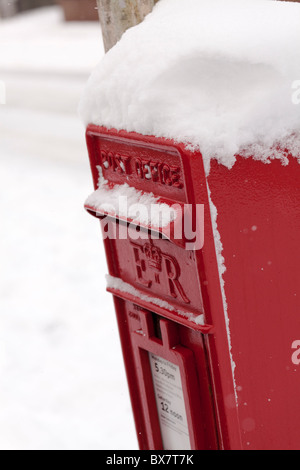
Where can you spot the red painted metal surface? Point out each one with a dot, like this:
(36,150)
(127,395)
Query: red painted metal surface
(259,223)
(162,290)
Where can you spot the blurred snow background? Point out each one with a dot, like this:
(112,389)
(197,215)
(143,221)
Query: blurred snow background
(62,381)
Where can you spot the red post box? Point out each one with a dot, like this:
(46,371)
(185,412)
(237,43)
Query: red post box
(208,354)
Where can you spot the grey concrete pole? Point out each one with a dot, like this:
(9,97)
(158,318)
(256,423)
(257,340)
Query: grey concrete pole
(116,16)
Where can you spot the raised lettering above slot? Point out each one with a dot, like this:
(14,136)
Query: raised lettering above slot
(152,168)
(148,170)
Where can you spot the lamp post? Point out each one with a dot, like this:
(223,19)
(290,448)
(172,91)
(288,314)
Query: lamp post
(116,16)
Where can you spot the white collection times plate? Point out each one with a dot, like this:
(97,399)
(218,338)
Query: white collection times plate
(170,404)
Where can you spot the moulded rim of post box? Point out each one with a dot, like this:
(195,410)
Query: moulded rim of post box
(169,314)
(138,139)
(158,143)
(221,366)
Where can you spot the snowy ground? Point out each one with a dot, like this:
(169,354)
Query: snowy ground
(62,383)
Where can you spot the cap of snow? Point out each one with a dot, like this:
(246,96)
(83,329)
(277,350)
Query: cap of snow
(218,75)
